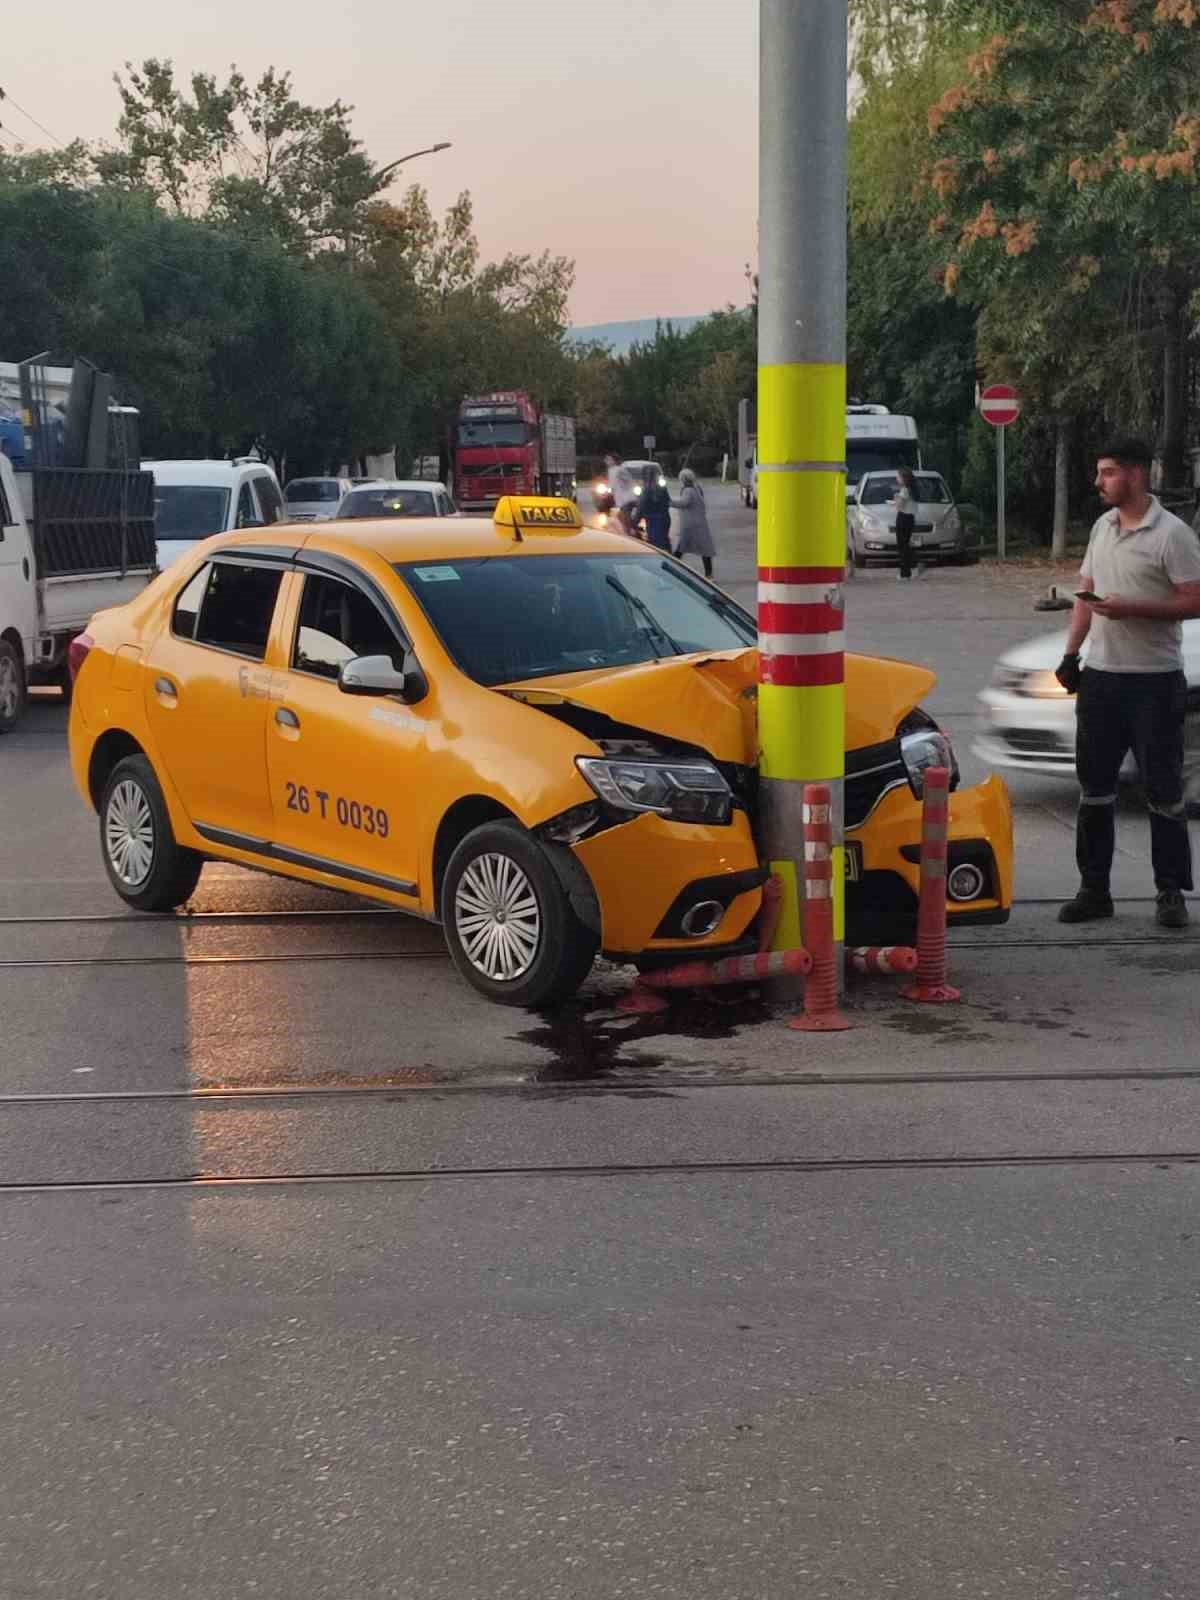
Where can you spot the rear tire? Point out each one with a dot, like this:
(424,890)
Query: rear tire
(144,864)
(509,923)
(13,693)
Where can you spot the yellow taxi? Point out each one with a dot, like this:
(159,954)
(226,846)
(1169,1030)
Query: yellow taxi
(539,735)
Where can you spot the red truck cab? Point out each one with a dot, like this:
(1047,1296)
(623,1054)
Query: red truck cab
(503,445)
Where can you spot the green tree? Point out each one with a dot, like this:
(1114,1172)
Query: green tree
(1065,164)
(249,152)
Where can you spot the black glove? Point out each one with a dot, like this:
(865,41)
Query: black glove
(1069,673)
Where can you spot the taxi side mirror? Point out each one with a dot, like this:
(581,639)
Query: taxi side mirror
(379,675)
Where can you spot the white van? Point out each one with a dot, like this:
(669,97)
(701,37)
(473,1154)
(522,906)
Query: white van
(72,542)
(193,499)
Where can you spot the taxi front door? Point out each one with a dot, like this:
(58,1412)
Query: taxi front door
(206,693)
(344,769)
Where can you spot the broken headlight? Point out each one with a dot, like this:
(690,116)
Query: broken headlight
(681,791)
(926,747)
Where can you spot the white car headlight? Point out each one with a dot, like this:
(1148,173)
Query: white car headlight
(681,791)
(871,524)
(1042,685)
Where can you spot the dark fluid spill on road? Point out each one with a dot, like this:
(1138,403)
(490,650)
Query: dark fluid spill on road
(588,1045)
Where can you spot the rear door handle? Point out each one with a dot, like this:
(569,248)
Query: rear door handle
(286,718)
(165,686)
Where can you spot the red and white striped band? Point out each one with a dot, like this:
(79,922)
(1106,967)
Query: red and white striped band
(801,641)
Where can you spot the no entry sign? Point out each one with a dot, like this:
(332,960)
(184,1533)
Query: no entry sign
(999,404)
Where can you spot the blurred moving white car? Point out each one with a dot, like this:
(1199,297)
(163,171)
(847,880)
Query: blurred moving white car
(939,534)
(1028,718)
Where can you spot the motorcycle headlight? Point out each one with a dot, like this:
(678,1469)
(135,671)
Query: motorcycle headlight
(929,747)
(681,791)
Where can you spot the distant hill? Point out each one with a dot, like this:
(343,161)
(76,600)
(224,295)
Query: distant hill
(620,335)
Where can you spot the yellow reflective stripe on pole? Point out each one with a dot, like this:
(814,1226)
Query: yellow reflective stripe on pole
(802,403)
(802,731)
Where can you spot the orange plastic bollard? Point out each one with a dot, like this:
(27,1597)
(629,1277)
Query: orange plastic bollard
(931,985)
(730,969)
(772,906)
(821,1014)
(704,974)
(882,958)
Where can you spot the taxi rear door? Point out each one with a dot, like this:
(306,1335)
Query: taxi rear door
(345,770)
(207,689)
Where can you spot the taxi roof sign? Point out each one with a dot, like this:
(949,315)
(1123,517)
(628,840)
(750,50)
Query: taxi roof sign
(519,515)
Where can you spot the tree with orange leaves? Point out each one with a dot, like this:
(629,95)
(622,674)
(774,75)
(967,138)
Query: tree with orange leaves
(1064,171)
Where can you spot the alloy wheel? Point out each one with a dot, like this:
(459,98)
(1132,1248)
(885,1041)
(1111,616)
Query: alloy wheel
(129,834)
(497,916)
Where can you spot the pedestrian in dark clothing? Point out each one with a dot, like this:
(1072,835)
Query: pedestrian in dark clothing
(906,519)
(654,510)
(1142,570)
(695,536)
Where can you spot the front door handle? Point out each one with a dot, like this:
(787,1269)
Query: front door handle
(286,718)
(165,686)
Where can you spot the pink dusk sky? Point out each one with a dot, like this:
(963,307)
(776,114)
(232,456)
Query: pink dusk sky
(622,134)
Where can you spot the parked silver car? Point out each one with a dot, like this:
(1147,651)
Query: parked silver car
(939,534)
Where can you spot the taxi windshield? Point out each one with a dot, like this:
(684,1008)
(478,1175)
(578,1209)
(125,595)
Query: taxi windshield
(508,618)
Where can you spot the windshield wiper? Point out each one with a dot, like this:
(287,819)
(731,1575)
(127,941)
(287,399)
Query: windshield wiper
(653,625)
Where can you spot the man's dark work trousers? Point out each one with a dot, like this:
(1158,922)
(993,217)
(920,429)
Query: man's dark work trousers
(1116,712)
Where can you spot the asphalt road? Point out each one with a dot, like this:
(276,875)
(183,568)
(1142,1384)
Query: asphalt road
(323,1278)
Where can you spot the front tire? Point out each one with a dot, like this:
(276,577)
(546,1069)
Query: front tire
(509,923)
(13,693)
(144,864)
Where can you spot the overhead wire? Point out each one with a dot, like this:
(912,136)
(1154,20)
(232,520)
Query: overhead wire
(29,117)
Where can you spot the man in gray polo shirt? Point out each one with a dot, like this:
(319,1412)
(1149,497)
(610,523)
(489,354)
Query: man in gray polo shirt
(1143,564)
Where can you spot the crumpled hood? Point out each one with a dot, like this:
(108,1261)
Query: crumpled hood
(711,700)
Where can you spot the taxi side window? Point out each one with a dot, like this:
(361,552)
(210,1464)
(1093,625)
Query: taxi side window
(235,607)
(337,622)
(270,499)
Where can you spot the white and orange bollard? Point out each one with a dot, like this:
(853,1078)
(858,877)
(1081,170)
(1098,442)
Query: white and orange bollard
(893,958)
(930,984)
(821,1014)
(704,974)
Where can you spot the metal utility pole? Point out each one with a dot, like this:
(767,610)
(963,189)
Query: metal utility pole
(801,434)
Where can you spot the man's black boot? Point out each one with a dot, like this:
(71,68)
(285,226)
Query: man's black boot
(1087,906)
(1172,910)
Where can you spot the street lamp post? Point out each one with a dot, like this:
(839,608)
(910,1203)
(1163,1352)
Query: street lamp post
(430,150)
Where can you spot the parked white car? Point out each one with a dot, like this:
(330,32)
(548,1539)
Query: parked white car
(411,497)
(314,499)
(1028,718)
(193,499)
(939,534)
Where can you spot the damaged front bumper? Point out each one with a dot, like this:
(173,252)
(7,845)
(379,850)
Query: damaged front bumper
(651,875)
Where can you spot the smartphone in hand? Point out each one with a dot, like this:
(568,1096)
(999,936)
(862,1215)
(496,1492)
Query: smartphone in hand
(1086,594)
